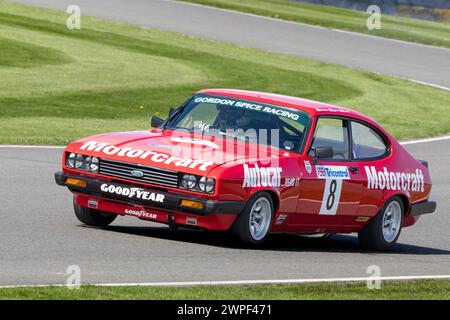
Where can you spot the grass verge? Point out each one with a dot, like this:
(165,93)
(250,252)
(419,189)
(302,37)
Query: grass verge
(401,28)
(58,85)
(392,290)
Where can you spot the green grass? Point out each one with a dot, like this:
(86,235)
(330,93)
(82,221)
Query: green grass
(424,289)
(57,85)
(413,30)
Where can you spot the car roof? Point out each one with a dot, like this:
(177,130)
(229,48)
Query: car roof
(313,108)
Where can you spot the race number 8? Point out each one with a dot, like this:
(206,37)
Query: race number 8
(331,196)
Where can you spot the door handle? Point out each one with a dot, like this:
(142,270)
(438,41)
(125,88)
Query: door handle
(354,169)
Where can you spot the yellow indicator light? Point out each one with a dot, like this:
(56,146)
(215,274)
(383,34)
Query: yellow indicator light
(191,204)
(76,182)
(362,219)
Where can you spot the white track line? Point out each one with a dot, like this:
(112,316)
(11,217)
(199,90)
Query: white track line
(426,140)
(29,147)
(243,282)
(428,84)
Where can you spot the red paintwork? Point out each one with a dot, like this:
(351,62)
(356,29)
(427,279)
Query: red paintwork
(300,203)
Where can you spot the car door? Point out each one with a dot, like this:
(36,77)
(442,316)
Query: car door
(330,188)
(369,151)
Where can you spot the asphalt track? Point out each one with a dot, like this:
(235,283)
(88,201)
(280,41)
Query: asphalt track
(40,236)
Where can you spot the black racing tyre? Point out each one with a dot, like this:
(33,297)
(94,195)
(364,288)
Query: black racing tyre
(255,221)
(93,217)
(383,230)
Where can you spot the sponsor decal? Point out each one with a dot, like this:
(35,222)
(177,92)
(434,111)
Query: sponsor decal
(93,203)
(191,221)
(261,176)
(308,166)
(281,112)
(291,182)
(281,218)
(132,193)
(338,110)
(204,127)
(394,180)
(153,156)
(333,172)
(140,214)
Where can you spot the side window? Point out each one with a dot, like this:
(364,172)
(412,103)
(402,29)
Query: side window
(367,143)
(332,132)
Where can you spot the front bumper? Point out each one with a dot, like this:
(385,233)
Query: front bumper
(166,206)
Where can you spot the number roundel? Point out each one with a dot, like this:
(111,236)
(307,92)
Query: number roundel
(331,196)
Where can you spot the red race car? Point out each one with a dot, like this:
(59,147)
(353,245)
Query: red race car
(253,163)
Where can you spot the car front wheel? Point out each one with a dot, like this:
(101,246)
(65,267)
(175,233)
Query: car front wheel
(93,217)
(382,232)
(254,223)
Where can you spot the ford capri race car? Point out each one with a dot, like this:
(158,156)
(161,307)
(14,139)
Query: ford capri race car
(253,163)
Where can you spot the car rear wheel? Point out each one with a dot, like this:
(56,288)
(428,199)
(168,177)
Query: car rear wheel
(254,223)
(382,232)
(93,217)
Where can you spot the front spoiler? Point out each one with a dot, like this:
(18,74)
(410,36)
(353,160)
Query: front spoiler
(173,219)
(171,201)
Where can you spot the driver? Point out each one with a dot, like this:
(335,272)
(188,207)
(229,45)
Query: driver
(243,119)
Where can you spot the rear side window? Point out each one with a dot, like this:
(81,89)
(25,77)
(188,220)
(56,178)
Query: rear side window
(332,132)
(367,143)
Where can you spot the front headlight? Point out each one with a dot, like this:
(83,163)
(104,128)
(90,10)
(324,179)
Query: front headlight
(206,184)
(189,181)
(87,163)
(94,165)
(71,160)
(197,183)
(80,162)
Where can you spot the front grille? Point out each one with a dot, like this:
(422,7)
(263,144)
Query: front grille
(156,176)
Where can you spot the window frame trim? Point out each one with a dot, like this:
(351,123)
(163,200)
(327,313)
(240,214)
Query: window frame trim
(350,142)
(380,134)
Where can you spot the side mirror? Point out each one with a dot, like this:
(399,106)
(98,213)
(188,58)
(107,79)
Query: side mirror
(323,153)
(156,121)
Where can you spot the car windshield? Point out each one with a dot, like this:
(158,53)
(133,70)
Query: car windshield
(250,121)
